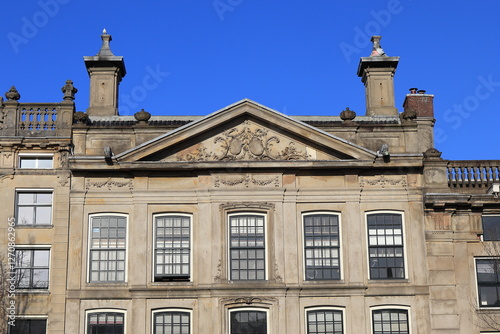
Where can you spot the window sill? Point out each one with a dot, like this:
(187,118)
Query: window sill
(388,280)
(40,226)
(33,291)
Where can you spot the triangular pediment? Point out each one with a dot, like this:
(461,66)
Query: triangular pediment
(246,131)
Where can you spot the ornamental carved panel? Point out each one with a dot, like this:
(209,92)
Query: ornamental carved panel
(246,181)
(246,142)
(383,181)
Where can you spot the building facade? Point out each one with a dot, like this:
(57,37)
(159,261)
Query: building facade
(245,220)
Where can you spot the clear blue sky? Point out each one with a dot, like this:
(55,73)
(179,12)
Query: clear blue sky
(297,57)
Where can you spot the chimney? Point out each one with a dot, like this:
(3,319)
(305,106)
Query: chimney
(421,103)
(106,72)
(377,74)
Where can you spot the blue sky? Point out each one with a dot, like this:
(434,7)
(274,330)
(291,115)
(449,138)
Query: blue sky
(297,57)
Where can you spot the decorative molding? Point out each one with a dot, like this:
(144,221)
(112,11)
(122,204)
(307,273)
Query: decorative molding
(6,176)
(383,181)
(63,178)
(245,143)
(248,300)
(246,180)
(247,205)
(109,184)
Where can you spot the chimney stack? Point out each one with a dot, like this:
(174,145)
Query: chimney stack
(106,72)
(377,74)
(421,103)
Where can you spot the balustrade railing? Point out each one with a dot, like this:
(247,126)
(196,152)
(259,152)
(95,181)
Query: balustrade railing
(41,117)
(473,173)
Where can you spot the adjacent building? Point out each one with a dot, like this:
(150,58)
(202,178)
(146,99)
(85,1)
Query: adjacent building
(245,220)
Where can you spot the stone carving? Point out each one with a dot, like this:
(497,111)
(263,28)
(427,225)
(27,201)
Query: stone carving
(408,114)
(69,91)
(63,178)
(200,154)
(247,300)
(245,180)
(347,114)
(383,181)
(432,153)
(245,144)
(13,94)
(253,205)
(80,117)
(109,184)
(142,116)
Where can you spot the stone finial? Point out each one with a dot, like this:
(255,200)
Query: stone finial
(142,115)
(408,114)
(377,50)
(347,114)
(432,153)
(13,94)
(105,48)
(69,91)
(80,117)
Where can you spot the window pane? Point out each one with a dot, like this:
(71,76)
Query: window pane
(385,241)
(107,252)
(321,247)
(32,268)
(105,323)
(34,208)
(172,247)
(248,322)
(491,228)
(247,253)
(324,322)
(29,326)
(390,321)
(487,271)
(172,322)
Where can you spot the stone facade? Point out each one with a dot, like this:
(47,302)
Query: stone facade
(244,212)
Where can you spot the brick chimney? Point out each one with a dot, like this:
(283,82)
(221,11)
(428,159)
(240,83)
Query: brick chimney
(377,74)
(106,72)
(419,102)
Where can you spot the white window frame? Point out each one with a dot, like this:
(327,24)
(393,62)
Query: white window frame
(328,308)
(39,247)
(405,245)
(89,244)
(35,155)
(105,310)
(162,310)
(190,243)
(258,309)
(266,245)
(34,190)
(31,317)
(391,307)
(341,262)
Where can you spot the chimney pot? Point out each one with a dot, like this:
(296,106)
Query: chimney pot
(413,90)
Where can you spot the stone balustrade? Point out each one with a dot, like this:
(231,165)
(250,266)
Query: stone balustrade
(36,119)
(469,174)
